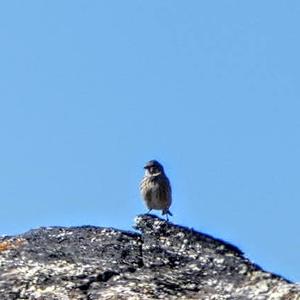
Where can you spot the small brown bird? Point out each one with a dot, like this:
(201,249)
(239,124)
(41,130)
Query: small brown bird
(156,189)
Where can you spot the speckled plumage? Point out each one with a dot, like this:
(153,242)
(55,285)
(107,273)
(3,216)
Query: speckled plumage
(156,189)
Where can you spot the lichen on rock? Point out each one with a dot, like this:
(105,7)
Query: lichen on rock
(163,261)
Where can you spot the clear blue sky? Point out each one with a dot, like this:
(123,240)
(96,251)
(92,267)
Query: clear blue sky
(91,90)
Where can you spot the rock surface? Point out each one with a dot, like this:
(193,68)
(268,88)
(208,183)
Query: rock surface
(165,261)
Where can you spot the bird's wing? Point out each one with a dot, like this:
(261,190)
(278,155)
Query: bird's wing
(165,190)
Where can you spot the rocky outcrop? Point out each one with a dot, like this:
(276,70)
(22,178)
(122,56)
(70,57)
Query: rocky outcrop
(164,261)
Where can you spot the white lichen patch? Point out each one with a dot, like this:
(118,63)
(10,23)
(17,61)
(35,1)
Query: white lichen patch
(194,267)
(219,260)
(243,269)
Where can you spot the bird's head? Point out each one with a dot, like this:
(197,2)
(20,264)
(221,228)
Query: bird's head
(154,167)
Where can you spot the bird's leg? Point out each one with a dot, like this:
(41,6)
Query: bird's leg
(167,213)
(149,211)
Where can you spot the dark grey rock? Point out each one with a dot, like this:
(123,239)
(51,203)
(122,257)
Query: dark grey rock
(165,261)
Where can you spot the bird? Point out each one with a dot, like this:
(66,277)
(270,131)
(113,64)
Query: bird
(156,189)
